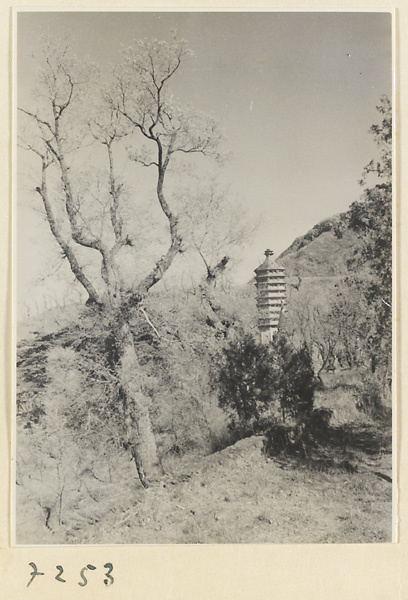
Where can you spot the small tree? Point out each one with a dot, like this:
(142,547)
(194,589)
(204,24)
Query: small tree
(246,380)
(258,381)
(296,382)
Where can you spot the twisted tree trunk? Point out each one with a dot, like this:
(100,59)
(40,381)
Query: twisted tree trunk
(138,426)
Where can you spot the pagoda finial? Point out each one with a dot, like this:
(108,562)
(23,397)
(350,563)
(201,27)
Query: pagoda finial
(268,252)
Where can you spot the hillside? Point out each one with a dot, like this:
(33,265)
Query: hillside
(319,253)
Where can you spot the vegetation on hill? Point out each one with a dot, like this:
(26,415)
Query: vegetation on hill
(348,259)
(320,253)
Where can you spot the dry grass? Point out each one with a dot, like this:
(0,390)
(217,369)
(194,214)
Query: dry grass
(237,495)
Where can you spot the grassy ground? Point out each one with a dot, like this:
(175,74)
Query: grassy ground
(237,495)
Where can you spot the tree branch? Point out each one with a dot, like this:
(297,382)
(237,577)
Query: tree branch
(148,320)
(37,118)
(67,250)
(150,164)
(63,106)
(76,230)
(114,191)
(136,124)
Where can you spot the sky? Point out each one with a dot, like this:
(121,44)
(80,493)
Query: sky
(294,92)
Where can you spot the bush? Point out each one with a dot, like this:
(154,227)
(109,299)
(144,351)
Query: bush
(259,385)
(371,400)
(318,422)
(299,439)
(296,382)
(286,440)
(245,382)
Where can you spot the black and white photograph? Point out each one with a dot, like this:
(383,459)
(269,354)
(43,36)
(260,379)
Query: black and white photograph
(203,278)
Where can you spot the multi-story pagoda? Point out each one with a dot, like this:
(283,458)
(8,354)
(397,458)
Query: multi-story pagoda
(271,296)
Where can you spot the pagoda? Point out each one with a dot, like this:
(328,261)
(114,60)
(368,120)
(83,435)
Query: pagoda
(271,296)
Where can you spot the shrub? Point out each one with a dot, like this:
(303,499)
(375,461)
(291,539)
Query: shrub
(245,381)
(371,400)
(259,385)
(298,439)
(318,422)
(296,382)
(286,440)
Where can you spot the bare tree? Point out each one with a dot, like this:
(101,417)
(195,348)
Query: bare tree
(214,227)
(87,220)
(332,326)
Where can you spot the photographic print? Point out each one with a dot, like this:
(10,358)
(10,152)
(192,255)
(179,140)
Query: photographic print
(203,278)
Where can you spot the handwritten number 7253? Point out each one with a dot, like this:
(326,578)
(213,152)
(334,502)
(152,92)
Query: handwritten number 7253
(109,579)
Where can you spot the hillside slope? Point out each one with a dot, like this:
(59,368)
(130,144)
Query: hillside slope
(319,253)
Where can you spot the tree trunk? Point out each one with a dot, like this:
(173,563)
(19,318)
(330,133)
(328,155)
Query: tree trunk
(138,427)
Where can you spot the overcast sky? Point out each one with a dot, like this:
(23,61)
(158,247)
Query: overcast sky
(294,92)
